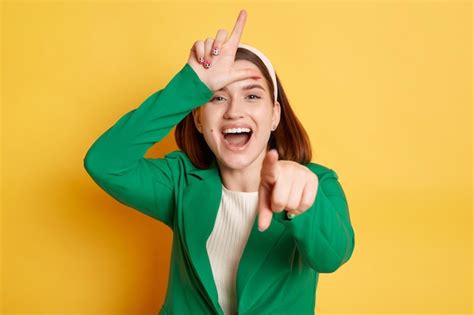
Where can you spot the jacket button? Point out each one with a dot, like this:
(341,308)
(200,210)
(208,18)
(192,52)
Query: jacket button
(290,215)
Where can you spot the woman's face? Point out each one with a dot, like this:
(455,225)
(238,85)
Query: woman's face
(236,105)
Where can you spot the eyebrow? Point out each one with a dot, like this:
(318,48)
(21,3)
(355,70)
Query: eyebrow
(248,87)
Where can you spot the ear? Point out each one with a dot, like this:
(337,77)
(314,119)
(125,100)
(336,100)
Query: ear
(276,114)
(197,118)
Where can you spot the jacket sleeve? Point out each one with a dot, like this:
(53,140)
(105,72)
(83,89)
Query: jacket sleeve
(116,161)
(323,233)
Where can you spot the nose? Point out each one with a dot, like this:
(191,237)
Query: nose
(234,110)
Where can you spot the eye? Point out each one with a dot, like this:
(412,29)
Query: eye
(216,97)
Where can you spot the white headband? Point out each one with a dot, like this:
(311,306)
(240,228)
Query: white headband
(267,63)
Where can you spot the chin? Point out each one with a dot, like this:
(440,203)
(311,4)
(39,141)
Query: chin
(235,160)
(238,160)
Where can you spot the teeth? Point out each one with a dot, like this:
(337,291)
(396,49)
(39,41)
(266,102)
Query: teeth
(237,130)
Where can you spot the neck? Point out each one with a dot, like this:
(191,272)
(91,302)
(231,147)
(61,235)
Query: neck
(246,179)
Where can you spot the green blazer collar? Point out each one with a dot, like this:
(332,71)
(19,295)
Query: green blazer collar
(201,201)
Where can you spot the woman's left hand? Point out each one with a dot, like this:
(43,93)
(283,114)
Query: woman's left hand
(284,185)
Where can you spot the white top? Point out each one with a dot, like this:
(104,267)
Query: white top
(225,245)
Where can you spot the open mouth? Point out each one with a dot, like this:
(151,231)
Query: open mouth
(237,141)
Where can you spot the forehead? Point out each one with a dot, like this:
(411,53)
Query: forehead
(245,64)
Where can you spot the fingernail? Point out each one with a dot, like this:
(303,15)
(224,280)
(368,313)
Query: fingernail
(201,59)
(207,64)
(290,215)
(215,51)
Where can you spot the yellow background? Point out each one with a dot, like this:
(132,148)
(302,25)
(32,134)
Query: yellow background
(383,88)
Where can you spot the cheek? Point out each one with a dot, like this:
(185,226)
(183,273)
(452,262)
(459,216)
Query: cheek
(210,116)
(264,118)
(211,135)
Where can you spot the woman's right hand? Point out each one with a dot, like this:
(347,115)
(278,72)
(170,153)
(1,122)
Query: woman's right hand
(221,71)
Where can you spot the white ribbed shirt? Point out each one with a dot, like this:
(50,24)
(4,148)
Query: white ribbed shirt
(226,243)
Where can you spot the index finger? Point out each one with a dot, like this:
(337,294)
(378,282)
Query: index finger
(238,28)
(269,171)
(265,214)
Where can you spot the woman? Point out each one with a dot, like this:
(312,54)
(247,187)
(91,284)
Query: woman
(243,156)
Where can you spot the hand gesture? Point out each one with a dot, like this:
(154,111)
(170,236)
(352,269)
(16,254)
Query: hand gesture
(284,185)
(215,68)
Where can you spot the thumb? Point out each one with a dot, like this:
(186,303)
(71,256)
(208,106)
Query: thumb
(265,213)
(243,74)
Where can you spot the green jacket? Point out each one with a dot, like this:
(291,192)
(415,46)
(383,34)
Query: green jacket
(279,268)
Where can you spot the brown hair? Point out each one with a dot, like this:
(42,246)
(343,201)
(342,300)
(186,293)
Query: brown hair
(289,138)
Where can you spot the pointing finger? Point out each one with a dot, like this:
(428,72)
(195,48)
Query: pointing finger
(265,214)
(269,172)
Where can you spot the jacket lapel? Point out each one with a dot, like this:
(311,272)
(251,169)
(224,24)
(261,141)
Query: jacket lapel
(201,202)
(258,247)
